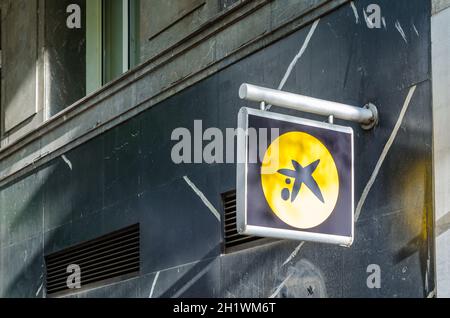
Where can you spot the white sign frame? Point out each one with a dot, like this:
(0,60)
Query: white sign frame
(241,187)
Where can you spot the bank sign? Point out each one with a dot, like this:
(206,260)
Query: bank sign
(296,183)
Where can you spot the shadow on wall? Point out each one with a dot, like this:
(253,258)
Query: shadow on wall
(72,200)
(23,237)
(47,211)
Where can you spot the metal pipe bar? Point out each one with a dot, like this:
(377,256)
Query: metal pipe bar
(367,116)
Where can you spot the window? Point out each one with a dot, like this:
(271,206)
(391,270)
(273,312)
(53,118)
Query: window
(80,61)
(116,46)
(112,40)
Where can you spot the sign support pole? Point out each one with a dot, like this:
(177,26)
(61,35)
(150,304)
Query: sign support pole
(367,116)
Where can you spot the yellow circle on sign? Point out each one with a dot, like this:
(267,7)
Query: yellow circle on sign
(300,180)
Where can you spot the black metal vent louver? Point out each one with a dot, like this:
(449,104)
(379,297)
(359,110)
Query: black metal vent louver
(233,240)
(111,257)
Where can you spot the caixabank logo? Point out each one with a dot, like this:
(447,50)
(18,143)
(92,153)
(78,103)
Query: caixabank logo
(302,188)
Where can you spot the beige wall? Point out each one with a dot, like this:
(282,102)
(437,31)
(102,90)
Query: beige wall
(439,5)
(162,24)
(170,22)
(440,29)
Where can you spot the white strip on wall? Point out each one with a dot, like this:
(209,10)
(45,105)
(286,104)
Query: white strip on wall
(126,35)
(440,34)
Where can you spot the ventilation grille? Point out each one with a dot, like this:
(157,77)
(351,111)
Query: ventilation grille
(112,257)
(232,238)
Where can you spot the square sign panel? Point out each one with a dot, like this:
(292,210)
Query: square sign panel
(294,178)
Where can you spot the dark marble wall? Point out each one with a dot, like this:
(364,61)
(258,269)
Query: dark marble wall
(66,52)
(127,176)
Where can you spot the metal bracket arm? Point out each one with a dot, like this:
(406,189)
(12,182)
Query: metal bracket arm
(367,116)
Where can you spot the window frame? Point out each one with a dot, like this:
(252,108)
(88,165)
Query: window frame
(100,41)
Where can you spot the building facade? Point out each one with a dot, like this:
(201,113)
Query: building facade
(92,91)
